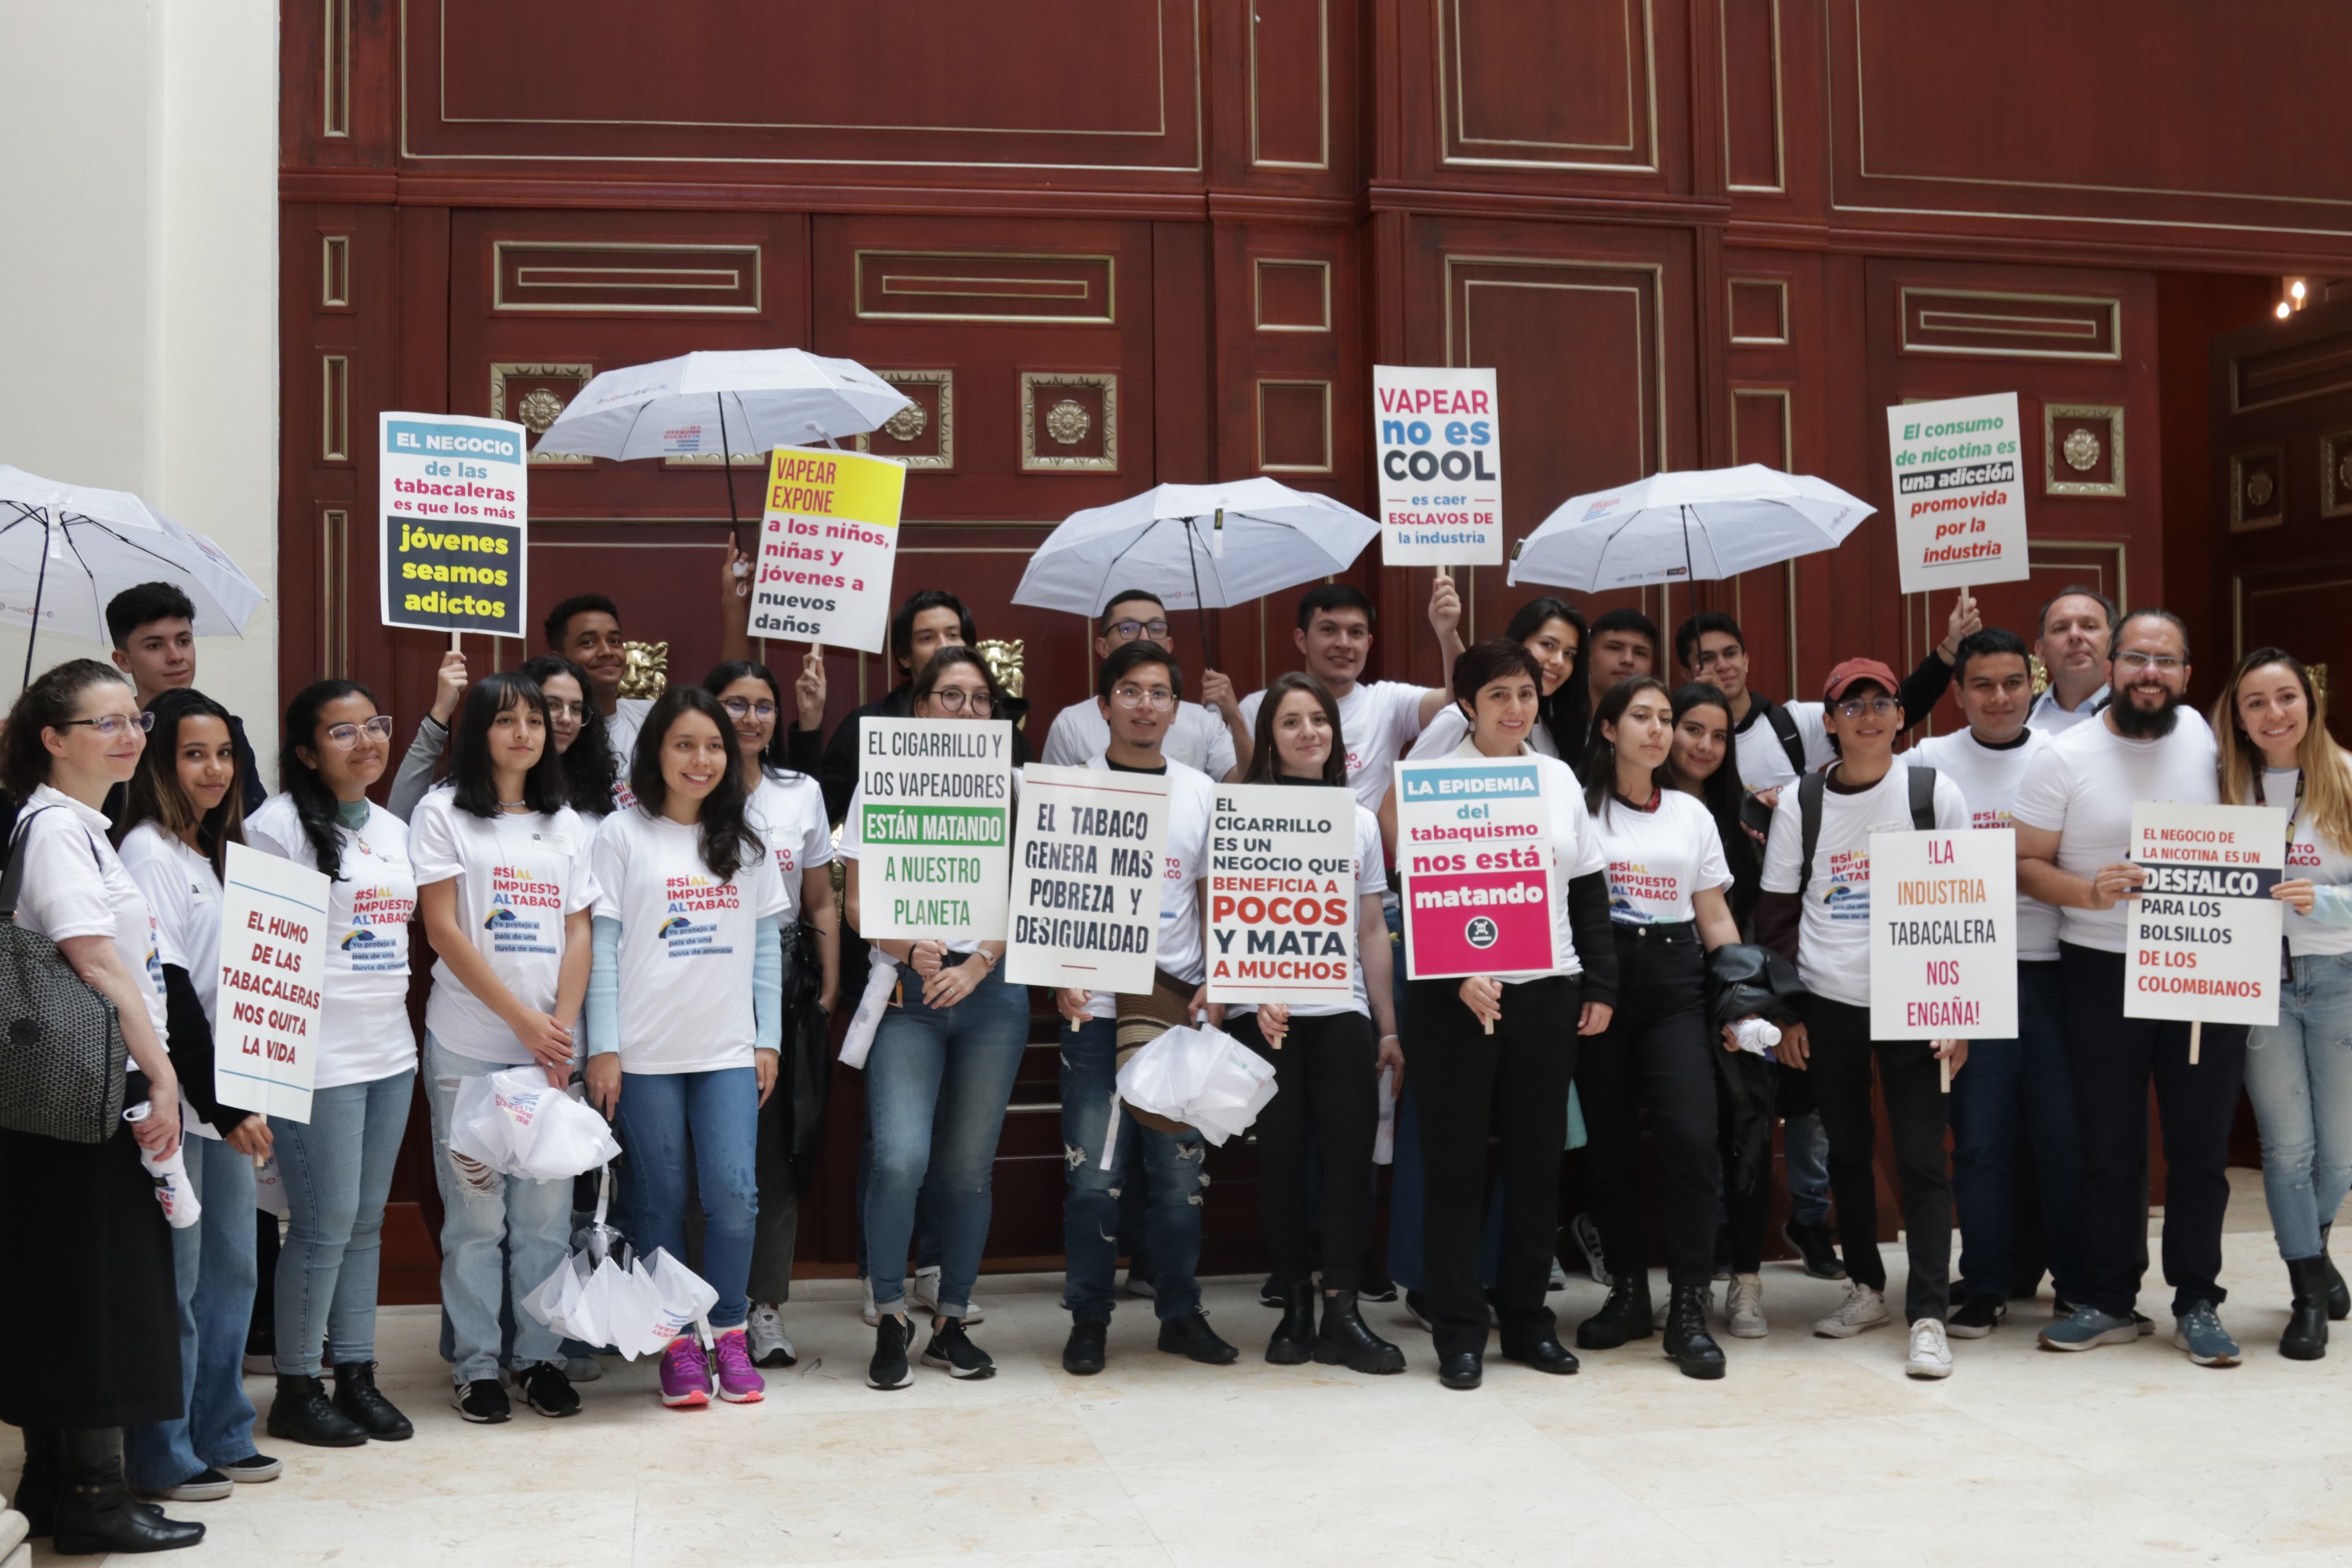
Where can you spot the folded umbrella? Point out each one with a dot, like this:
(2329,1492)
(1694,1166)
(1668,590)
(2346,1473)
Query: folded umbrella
(1692,526)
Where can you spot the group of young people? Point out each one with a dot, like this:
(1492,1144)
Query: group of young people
(639,896)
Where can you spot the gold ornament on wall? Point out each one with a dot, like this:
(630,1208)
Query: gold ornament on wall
(1068,423)
(1006,657)
(2082,451)
(646,673)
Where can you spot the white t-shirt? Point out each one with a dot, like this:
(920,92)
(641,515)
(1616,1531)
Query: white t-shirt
(1990,777)
(1450,729)
(1372,882)
(363,1029)
(685,943)
(76,885)
(1191,802)
(518,877)
(2309,854)
(1833,934)
(1197,738)
(1657,859)
(184,897)
(2082,786)
(1377,719)
(1764,761)
(788,814)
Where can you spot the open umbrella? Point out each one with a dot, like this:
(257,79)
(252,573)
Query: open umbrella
(66,550)
(1687,527)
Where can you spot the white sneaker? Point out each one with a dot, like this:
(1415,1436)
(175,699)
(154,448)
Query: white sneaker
(869,1311)
(583,1369)
(923,1296)
(1931,1353)
(768,1342)
(1863,1308)
(1743,1307)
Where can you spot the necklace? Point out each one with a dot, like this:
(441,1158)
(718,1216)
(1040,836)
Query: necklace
(514,805)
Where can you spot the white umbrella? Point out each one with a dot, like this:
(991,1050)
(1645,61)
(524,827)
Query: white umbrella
(66,550)
(1689,527)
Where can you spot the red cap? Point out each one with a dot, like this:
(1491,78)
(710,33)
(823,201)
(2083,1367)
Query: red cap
(1858,669)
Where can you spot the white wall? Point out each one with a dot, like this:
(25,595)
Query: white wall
(139,283)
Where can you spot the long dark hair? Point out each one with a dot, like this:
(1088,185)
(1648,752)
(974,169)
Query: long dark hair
(51,702)
(1264,766)
(1599,769)
(775,758)
(589,771)
(1723,795)
(727,842)
(473,777)
(1566,712)
(314,803)
(156,795)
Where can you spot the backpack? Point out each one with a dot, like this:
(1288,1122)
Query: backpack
(1813,787)
(1784,725)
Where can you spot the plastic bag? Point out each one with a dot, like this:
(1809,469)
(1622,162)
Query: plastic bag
(518,1124)
(881,974)
(1201,1077)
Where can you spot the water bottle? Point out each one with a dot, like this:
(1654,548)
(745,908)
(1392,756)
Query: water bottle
(1760,1035)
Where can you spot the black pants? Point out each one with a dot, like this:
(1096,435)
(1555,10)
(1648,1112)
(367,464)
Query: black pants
(1323,1076)
(1654,1055)
(1465,1082)
(1840,1052)
(2114,1057)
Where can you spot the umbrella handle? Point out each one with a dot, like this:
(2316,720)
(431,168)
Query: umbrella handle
(727,467)
(33,633)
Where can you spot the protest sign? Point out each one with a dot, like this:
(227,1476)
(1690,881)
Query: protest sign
(1960,501)
(1943,935)
(936,827)
(828,544)
(1086,880)
(1473,843)
(2203,934)
(1282,894)
(452,496)
(1439,446)
(273,962)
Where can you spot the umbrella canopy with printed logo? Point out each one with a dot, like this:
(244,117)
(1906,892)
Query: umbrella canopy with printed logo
(1686,527)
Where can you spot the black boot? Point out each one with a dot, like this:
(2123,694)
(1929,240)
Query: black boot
(1294,1338)
(1346,1341)
(357,1396)
(37,1489)
(2306,1319)
(2339,1296)
(303,1414)
(1688,1344)
(95,1511)
(1624,1316)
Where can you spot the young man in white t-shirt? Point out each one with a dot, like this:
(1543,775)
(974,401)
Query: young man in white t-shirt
(1137,690)
(2023,1085)
(1207,735)
(586,630)
(2073,833)
(1815,911)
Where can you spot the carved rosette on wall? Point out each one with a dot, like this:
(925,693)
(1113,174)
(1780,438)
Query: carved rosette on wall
(1070,422)
(922,434)
(646,673)
(2335,474)
(2257,499)
(2082,449)
(533,396)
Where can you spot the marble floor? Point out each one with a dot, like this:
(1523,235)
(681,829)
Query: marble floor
(1811,1451)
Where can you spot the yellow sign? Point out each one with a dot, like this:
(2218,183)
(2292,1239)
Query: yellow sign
(828,546)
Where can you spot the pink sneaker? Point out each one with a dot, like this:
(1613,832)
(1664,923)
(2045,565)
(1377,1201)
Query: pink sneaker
(685,1374)
(740,1382)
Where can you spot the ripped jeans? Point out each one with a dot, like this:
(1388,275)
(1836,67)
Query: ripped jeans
(501,1237)
(1168,1164)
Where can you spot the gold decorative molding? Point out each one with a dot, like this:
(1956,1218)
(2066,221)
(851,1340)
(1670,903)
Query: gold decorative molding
(1640,94)
(1779,186)
(1260,265)
(335,593)
(922,434)
(1005,658)
(2335,474)
(2257,498)
(2080,440)
(1323,93)
(627,278)
(539,401)
(334,273)
(646,672)
(2040,673)
(1780,286)
(335,408)
(1986,332)
(1785,459)
(1652,357)
(335,70)
(1054,407)
(1087,285)
(1324,465)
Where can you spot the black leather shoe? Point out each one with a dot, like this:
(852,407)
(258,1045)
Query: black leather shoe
(1463,1369)
(1082,1353)
(37,1489)
(303,1414)
(1626,1315)
(2307,1319)
(1345,1340)
(1688,1344)
(1292,1343)
(1546,1355)
(357,1396)
(1191,1337)
(1814,1249)
(95,1511)
(2339,1296)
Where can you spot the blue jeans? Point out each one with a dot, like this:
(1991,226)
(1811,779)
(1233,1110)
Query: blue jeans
(2299,1076)
(501,1237)
(212,1264)
(1169,1164)
(1805,1161)
(2025,1083)
(926,1227)
(721,1110)
(936,1087)
(338,1171)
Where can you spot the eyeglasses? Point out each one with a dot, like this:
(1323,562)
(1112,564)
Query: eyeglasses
(737,708)
(572,711)
(955,700)
(1877,706)
(1159,699)
(113,724)
(346,736)
(1127,631)
(2168,663)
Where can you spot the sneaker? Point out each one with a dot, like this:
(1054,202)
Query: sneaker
(770,1346)
(481,1401)
(869,1311)
(923,1296)
(582,1368)
(1863,1308)
(2198,1332)
(685,1374)
(1141,1285)
(547,1390)
(205,1486)
(1813,1250)
(740,1382)
(1977,1316)
(1587,1236)
(254,1468)
(1931,1353)
(2087,1328)
(1743,1307)
(1559,1280)
(953,1352)
(1375,1286)
(889,1369)
(1416,1307)
(1272,1294)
